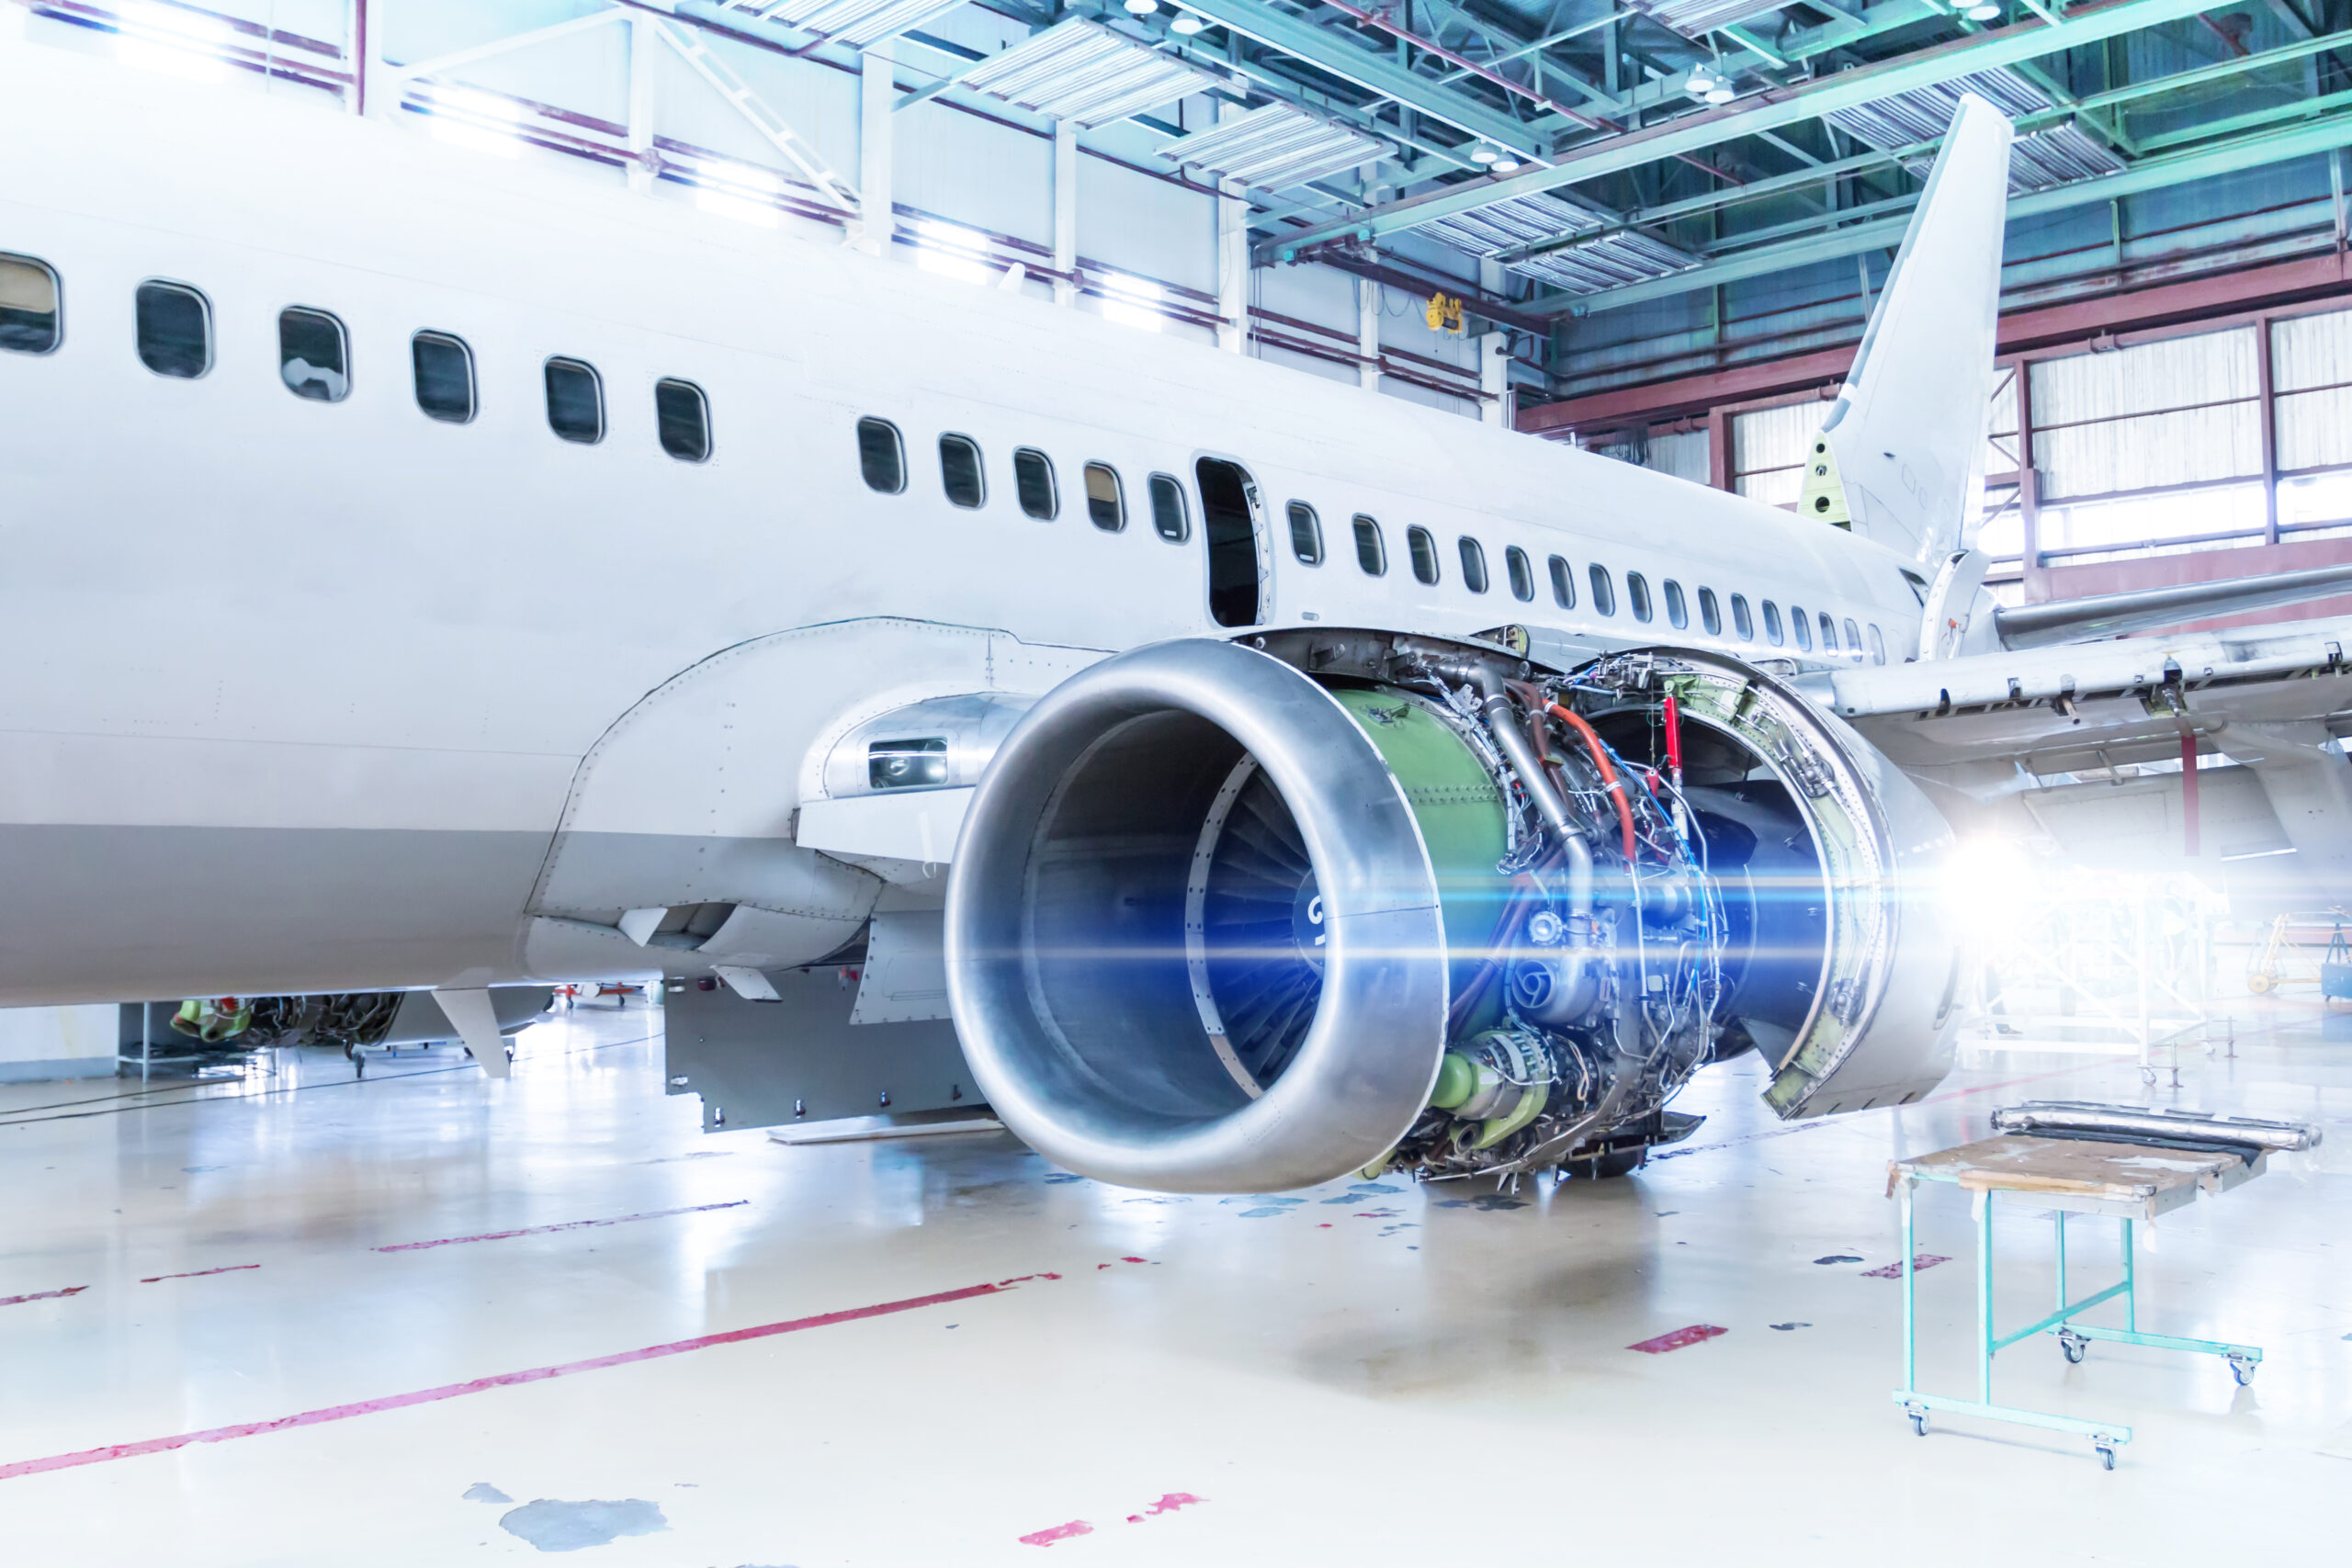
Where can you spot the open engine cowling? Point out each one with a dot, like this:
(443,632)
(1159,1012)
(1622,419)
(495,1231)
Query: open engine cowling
(1239,919)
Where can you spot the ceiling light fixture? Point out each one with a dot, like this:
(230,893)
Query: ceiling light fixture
(1703,81)
(1186,25)
(1984,11)
(1504,165)
(1721,93)
(1483,154)
(1142,8)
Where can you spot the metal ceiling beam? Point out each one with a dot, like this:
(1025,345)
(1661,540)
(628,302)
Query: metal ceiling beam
(2229,158)
(1769,110)
(1375,73)
(1862,162)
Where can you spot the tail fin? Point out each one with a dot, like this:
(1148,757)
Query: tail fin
(1901,458)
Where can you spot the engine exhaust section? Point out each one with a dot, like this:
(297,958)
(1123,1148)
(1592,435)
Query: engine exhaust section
(1236,919)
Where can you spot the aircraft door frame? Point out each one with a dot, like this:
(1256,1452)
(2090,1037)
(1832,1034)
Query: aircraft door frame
(1254,500)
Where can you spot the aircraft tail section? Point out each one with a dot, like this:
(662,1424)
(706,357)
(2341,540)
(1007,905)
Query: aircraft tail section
(1900,459)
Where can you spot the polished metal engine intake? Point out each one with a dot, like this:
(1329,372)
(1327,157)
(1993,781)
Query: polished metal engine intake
(1195,938)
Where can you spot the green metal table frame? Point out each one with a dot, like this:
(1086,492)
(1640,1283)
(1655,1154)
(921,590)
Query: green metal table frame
(2105,1436)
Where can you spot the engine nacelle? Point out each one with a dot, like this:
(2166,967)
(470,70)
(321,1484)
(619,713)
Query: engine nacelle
(1239,919)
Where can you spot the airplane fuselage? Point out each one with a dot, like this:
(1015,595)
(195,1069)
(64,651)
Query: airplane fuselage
(306,695)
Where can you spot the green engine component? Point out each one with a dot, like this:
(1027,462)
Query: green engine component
(1461,815)
(1457,1080)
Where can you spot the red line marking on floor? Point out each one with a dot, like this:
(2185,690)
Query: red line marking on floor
(1678,1340)
(1059,1533)
(477,1385)
(42,1295)
(566,1225)
(1895,1270)
(200,1273)
(1132,1260)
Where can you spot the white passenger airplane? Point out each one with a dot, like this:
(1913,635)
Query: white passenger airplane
(1293,778)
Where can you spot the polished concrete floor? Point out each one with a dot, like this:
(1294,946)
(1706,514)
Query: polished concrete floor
(1112,1377)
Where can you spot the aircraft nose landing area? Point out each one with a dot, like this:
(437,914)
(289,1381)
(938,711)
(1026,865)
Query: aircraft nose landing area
(426,1317)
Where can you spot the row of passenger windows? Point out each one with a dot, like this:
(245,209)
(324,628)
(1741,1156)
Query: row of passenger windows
(882,457)
(174,334)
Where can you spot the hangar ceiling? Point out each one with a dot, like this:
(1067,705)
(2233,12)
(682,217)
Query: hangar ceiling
(1622,184)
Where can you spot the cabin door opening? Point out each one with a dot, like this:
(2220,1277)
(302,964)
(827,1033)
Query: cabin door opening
(1236,525)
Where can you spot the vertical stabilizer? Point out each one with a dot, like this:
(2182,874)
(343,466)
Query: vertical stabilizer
(1901,458)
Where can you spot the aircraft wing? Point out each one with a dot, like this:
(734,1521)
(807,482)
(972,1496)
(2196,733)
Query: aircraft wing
(1994,729)
(2085,706)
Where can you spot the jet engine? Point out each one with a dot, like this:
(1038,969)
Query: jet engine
(1233,917)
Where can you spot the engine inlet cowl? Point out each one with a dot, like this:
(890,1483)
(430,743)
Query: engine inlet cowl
(1195,940)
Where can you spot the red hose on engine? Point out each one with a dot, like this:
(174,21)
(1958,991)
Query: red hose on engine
(1608,773)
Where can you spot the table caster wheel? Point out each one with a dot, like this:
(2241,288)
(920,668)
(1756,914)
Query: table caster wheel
(2106,1455)
(2072,1346)
(1919,1423)
(2241,1367)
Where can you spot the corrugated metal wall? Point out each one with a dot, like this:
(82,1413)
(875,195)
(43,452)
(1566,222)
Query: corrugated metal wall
(2182,410)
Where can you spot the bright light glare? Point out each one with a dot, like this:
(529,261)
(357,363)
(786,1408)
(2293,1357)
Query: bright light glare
(1131,301)
(176,42)
(952,251)
(737,207)
(1985,881)
(484,122)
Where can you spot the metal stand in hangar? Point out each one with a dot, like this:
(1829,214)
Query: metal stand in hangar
(2067,1159)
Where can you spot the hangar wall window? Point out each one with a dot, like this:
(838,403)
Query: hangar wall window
(1802,628)
(959,470)
(1828,634)
(1523,576)
(1677,612)
(1423,550)
(29,313)
(1878,645)
(682,416)
(1564,583)
(1033,483)
(1170,519)
(1637,590)
(1372,552)
(1604,591)
(1474,564)
(1104,503)
(1772,622)
(1741,621)
(1710,615)
(1306,534)
(444,368)
(313,355)
(881,455)
(575,401)
(175,330)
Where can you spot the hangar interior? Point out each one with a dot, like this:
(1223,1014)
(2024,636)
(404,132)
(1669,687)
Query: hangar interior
(268,1302)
